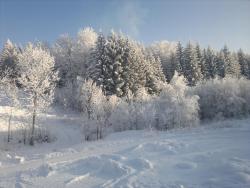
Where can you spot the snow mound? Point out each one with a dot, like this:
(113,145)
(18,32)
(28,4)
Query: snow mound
(99,166)
(41,171)
(140,164)
(165,147)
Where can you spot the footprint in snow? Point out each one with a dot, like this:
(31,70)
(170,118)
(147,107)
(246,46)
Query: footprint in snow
(186,165)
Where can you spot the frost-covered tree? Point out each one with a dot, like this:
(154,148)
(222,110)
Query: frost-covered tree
(192,71)
(220,65)
(8,59)
(95,108)
(244,65)
(115,50)
(209,64)
(179,62)
(63,50)
(38,79)
(136,67)
(72,60)
(165,51)
(119,65)
(201,59)
(8,85)
(97,59)
(154,74)
(232,67)
(85,42)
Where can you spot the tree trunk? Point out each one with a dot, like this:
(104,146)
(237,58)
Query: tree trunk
(97,132)
(33,120)
(10,117)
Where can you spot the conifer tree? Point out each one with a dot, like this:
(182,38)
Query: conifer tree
(244,65)
(192,71)
(8,59)
(232,67)
(209,64)
(179,59)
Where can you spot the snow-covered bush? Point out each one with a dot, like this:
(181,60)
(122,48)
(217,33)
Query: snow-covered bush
(223,98)
(133,113)
(95,108)
(175,108)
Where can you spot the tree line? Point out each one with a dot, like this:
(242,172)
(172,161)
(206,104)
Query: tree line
(118,83)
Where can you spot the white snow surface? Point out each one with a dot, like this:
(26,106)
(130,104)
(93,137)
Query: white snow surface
(214,155)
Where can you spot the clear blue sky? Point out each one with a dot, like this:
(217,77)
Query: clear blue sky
(211,22)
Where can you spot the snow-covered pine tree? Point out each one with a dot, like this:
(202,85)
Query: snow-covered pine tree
(179,63)
(8,59)
(192,71)
(114,64)
(97,59)
(220,64)
(244,65)
(154,74)
(210,67)
(122,66)
(232,67)
(38,79)
(200,59)
(248,62)
(171,67)
(165,51)
(135,67)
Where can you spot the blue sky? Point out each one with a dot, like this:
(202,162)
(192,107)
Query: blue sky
(211,22)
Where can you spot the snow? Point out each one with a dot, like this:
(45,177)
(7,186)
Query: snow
(213,155)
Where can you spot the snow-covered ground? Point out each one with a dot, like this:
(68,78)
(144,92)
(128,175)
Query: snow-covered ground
(214,155)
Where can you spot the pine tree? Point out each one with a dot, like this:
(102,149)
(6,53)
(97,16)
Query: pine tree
(125,66)
(8,59)
(232,67)
(136,67)
(209,64)
(244,65)
(248,63)
(96,65)
(220,64)
(154,74)
(165,51)
(114,51)
(179,59)
(200,59)
(192,71)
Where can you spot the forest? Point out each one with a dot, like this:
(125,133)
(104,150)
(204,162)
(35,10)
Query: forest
(120,84)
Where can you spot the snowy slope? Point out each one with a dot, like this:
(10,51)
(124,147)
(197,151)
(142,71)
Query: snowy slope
(213,155)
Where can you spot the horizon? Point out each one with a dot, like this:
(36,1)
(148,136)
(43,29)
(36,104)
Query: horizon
(210,23)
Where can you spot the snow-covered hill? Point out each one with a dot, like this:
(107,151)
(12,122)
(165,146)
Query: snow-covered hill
(215,155)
